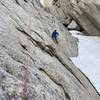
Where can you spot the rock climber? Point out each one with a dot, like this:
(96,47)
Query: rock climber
(55,34)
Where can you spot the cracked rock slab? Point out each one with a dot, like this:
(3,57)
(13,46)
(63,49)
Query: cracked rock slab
(51,74)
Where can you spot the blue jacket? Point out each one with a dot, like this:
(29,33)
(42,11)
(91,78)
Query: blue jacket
(55,34)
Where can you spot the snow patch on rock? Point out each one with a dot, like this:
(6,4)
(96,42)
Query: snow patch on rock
(89,57)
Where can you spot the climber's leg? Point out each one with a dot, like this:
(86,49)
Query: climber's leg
(55,40)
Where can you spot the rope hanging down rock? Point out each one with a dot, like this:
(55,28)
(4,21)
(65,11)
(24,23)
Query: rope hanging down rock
(26,62)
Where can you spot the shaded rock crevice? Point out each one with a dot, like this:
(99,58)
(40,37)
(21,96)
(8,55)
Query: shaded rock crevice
(47,48)
(17,2)
(11,55)
(60,85)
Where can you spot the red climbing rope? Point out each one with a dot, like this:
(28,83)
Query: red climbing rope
(26,50)
(26,74)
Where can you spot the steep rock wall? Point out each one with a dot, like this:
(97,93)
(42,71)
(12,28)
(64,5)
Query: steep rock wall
(51,74)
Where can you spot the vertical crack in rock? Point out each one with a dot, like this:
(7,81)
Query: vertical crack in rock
(24,47)
(25,1)
(17,2)
(66,94)
(70,70)
(39,44)
(5,6)
(38,34)
(11,55)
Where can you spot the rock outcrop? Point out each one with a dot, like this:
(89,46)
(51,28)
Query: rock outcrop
(85,12)
(24,24)
(57,11)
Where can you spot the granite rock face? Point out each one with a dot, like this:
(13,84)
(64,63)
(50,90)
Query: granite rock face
(55,9)
(85,12)
(26,27)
